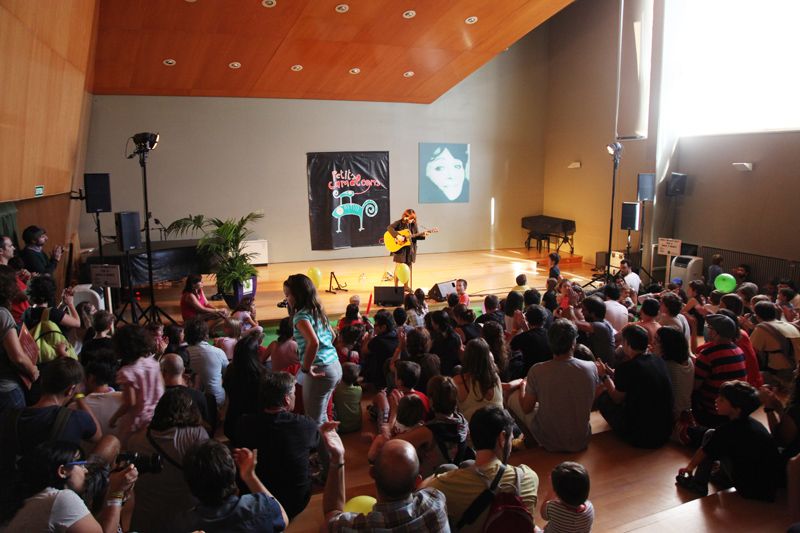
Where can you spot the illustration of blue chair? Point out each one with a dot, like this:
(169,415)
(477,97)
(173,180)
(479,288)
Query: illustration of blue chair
(370,208)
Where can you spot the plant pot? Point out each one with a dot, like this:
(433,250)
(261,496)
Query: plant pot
(240,291)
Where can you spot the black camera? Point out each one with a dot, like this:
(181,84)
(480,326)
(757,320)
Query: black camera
(145,464)
(283,303)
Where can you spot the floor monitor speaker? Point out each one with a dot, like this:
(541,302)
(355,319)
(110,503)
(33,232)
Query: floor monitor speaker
(440,291)
(389,296)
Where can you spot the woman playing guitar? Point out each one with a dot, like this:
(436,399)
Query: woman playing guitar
(406,254)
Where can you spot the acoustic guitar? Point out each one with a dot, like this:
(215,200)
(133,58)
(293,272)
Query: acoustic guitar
(394,244)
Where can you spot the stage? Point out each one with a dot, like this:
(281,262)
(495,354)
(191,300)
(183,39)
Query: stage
(487,272)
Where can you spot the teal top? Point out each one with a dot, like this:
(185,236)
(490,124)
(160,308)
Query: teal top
(326,354)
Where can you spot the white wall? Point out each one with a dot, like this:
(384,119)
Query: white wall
(225,157)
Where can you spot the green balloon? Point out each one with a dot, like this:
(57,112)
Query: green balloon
(725,283)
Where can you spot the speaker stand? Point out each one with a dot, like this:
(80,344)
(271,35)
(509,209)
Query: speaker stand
(339,287)
(132,301)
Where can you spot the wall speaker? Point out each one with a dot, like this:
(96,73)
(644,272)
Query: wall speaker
(676,184)
(440,291)
(129,236)
(646,189)
(630,216)
(389,296)
(98,193)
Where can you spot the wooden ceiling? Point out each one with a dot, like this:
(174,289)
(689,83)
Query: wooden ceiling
(205,36)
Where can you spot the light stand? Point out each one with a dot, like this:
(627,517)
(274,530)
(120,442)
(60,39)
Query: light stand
(144,143)
(615,150)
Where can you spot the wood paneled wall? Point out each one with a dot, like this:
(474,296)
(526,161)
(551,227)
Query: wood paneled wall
(44,58)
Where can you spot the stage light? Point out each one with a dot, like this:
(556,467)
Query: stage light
(145,141)
(614,148)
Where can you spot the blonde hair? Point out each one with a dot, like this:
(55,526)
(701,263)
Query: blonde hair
(235,326)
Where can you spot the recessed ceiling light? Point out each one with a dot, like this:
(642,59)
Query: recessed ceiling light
(191,1)
(297,68)
(408,74)
(169,62)
(234,65)
(342,8)
(355,70)
(410,14)
(471,20)
(269,3)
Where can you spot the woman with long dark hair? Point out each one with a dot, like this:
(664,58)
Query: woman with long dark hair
(53,477)
(478,384)
(319,362)
(241,382)
(14,363)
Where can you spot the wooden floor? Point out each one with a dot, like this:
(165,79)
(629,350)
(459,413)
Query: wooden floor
(632,489)
(487,272)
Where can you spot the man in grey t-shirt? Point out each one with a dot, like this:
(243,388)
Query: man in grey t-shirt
(565,389)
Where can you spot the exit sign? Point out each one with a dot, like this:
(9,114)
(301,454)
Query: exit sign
(38,190)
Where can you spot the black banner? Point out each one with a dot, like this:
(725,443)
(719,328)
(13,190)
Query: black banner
(348,198)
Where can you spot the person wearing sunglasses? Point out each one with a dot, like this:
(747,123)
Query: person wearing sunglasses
(53,480)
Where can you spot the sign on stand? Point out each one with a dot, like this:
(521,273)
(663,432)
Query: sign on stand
(669,247)
(106,276)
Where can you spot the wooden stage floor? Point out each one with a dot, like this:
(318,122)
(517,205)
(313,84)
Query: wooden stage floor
(487,272)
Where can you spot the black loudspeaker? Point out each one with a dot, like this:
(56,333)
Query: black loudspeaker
(440,291)
(630,216)
(389,296)
(646,191)
(98,193)
(129,236)
(676,185)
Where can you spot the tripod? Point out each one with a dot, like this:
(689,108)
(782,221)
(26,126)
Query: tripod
(153,313)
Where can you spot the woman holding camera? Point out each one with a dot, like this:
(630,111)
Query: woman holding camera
(176,427)
(54,488)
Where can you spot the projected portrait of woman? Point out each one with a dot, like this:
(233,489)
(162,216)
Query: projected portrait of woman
(443,173)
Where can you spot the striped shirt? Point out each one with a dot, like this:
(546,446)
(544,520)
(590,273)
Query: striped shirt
(717,363)
(566,519)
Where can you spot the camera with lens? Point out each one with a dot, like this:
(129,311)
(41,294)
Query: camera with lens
(144,463)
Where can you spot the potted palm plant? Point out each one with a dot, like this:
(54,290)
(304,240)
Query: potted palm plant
(223,243)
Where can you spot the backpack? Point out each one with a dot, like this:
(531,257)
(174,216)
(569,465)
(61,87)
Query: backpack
(507,511)
(47,335)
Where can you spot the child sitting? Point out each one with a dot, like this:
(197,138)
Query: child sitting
(351,317)
(406,376)
(747,454)
(522,284)
(572,511)
(283,351)
(420,294)
(405,414)
(347,341)
(550,298)
(232,331)
(347,400)
(245,313)
(461,290)
(553,260)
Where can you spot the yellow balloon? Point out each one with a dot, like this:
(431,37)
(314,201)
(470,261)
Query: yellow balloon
(403,273)
(360,504)
(315,276)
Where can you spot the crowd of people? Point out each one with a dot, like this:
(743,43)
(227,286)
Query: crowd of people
(203,427)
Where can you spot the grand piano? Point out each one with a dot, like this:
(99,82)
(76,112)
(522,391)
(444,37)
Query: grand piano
(543,228)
